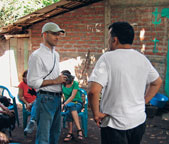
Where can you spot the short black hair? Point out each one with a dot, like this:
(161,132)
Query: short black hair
(123,31)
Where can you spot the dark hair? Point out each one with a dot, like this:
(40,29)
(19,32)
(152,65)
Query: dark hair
(25,73)
(5,101)
(123,31)
(70,78)
(66,71)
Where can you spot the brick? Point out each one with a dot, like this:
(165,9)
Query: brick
(85,30)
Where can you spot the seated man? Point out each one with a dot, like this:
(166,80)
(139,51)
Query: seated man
(29,100)
(72,104)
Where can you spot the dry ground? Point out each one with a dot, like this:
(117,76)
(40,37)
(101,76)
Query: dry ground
(157,131)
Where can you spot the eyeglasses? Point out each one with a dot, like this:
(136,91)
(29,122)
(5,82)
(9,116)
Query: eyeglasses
(54,33)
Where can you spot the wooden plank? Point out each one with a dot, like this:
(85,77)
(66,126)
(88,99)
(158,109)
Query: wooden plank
(13,46)
(20,58)
(26,52)
(16,36)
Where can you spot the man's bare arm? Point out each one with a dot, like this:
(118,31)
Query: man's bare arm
(153,89)
(93,97)
(60,79)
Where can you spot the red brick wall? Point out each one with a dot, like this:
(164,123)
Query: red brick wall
(142,17)
(85,32)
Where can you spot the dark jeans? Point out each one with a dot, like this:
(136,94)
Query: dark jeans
(114,136)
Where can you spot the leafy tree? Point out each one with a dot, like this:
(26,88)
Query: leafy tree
(12,10)
(48,2)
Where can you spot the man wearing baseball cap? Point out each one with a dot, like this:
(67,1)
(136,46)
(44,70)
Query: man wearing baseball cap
(43,75)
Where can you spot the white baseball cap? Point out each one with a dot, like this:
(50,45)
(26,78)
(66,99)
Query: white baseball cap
(53,27)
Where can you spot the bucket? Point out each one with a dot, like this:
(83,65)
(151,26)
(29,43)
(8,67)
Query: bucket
(159,100)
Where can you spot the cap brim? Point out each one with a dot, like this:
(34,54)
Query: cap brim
(62,31)
(59,31)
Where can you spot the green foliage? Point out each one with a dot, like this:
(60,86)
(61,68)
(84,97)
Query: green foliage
(48,2)
(12,10)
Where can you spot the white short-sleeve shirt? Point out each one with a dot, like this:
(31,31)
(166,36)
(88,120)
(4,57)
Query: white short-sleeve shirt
(124,74)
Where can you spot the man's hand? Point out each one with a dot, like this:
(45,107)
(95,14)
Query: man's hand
(8,112)
(99,117)
(60,79)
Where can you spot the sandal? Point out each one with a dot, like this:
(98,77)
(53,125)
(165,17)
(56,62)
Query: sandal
(79,137)
(68,137)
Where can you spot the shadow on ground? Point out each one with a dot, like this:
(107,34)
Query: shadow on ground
(157,131)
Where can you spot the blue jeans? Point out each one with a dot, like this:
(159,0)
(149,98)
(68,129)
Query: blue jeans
(48,116)
(33,111)
(71,106)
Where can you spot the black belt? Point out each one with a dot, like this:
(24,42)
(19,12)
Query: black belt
(50,93)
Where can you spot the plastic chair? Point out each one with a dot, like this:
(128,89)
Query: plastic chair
(13,106)
(83,114)
(25,113)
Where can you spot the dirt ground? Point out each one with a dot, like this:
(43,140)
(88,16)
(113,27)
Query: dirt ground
(157,131)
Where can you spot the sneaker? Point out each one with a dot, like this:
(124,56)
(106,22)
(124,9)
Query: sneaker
(30,127)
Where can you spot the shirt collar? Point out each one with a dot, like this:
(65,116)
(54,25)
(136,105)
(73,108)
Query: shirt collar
(47,48)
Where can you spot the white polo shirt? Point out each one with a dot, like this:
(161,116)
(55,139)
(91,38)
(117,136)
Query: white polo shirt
(40,64)
(123,73)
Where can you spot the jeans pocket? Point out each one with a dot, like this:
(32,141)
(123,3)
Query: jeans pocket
(46,99)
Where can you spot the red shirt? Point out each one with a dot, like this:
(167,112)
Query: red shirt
(28,97)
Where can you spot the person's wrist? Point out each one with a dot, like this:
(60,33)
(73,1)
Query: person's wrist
(64,104)
(28,104)
(55,81)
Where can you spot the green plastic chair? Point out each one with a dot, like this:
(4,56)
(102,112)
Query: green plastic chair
(13,106)
(25,113)
(83,114)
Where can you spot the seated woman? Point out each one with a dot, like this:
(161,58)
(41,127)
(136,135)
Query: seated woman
(72,104)
(29,100)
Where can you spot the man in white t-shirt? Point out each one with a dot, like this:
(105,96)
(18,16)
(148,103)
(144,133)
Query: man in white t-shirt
(120,76)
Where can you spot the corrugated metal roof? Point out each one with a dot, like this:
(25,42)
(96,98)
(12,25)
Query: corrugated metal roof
(55,9)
